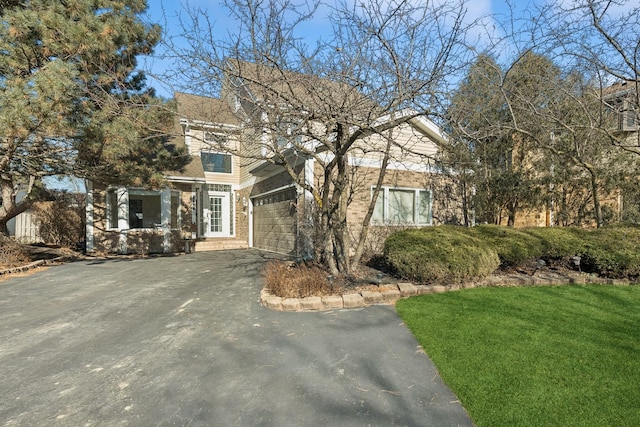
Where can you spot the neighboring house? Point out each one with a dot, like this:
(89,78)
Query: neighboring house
(233,198)
(569,206)
(622,99)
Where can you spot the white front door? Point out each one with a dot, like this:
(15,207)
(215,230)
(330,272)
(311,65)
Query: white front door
(217,215)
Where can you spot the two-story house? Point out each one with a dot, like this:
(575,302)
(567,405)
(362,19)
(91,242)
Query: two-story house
(622,99)
(233,193)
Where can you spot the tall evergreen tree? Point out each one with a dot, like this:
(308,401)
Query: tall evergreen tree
(72,100)
(531,136)
(486,150)
(478,148)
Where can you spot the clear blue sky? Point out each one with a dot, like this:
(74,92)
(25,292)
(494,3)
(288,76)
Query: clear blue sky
(165,13)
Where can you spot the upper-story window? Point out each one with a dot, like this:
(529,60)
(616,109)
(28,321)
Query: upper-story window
(626,112)
(628,116)
(216,162)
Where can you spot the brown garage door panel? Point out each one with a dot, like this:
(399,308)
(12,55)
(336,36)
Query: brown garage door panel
(274,227)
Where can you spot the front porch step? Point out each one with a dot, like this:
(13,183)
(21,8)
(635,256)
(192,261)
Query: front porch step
(214,244)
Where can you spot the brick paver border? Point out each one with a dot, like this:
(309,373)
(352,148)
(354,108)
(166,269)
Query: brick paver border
(389,294)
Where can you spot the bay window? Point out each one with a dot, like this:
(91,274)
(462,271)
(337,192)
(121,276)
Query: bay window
(144,209)
(134,208)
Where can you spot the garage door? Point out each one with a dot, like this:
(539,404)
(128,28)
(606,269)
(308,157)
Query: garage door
(274,222)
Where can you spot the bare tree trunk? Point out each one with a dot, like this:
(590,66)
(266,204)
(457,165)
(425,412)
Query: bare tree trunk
(4,230)
(326,234)
(9,207)
(340,200)
(513,211)
(366,222)
(596,197)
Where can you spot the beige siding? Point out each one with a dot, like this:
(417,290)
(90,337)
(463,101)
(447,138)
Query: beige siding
(410,146)
(250,151)
(224,178)
(197,142)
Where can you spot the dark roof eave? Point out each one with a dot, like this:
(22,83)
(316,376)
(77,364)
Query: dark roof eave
(267,167)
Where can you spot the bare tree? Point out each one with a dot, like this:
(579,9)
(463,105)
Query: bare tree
(595,45)
(602,36)
(533,131)
(384,65)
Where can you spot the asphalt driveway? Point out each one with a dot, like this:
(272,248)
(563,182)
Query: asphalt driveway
(177,341)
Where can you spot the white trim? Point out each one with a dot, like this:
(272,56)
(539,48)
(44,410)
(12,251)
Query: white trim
(359,161)
(309,166)
(394,165)
(187,135)
(250,216)
(384,192)
(421,121)
(185,180)
(122,197)
(247,183)
(208,125)
(226,202)
(194,210)
(165,218)
(122,242)
(431,129)
(89,227)
(275,190)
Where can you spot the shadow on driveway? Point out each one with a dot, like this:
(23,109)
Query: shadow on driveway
(184,341)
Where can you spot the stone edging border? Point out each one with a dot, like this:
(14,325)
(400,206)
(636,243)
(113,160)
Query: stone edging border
(35,264)
(389,294)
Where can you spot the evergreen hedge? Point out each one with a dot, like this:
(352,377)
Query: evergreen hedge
(439,254)
(447,254)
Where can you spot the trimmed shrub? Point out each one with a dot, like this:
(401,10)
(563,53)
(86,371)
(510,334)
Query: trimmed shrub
(514,247)
(560,242)
(613,252)
(441,254)
(446,254)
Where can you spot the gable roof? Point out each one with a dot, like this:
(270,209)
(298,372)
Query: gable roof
(192,172)
(620,89)
(276,86)
(270,84)
(203,109)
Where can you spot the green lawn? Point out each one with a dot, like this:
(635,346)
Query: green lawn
(538,356)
